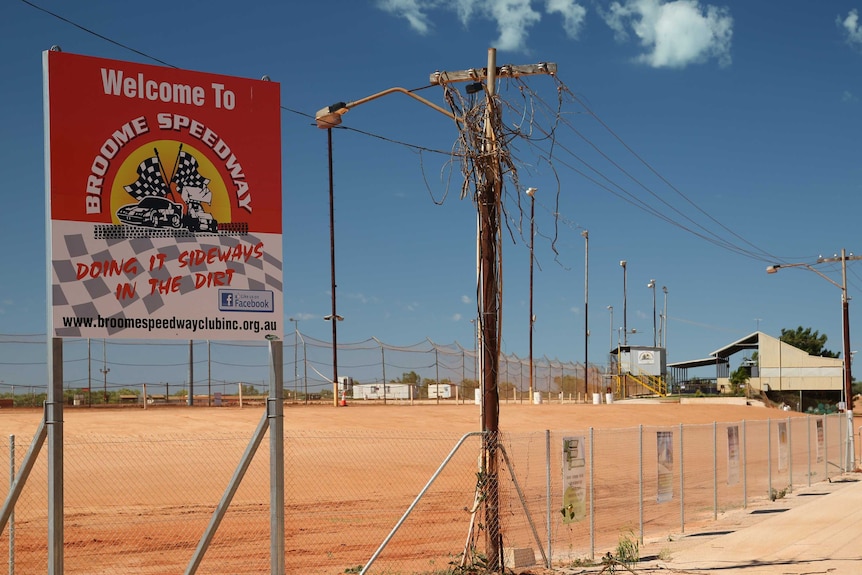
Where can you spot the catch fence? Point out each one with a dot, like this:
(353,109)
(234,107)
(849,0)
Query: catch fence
(103,371)
(139,505)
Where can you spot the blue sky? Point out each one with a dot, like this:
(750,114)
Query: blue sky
(734,121)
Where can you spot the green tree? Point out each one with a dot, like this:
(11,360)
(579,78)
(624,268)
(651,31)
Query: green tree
(810,342)
(739,379)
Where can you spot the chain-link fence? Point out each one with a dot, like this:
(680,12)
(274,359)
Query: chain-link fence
(139,505)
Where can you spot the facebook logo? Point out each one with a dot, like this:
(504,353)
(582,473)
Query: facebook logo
(246,300)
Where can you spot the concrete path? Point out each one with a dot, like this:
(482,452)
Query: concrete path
(817,530)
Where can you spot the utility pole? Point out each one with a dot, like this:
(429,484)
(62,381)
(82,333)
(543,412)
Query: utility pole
(488,201)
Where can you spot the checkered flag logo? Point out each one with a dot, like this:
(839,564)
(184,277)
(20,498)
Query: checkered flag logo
(187,173)
(150,181)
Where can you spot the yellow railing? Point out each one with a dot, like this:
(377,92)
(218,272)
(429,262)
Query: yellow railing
(653,383)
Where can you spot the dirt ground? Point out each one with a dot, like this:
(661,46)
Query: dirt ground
(92,424)
(134,421)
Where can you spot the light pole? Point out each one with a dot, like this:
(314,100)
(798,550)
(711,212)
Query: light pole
(845,321)
(651,285)
(625,303)
(663,337)
(586,235)
(531,192)
(295,356)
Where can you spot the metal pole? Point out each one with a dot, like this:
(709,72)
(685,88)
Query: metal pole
(681,484)
(531,192)
(641,482)
(334,314)
(769,454)
(12,514)
(663,338)
(586,235)
(190,400)
(625,305)
(789,455)
(592,500)
(744,469)
(651,285)
(848,376)
(548,490)
(714,471)
(275,414)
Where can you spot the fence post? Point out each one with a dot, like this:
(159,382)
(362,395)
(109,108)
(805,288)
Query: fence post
(592,502)
(744,468)
(825,447)
(641,481)
(714,470)
(769,456)
(12,514)
(808,441)
(789,456)
(548,489)
(681,483)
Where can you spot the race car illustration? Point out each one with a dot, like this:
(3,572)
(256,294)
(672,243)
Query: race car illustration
(153,212)
(196,219)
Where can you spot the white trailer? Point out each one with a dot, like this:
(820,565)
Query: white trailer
(439,390)
(381,391)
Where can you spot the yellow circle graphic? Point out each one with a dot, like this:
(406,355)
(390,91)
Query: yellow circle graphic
(168,152)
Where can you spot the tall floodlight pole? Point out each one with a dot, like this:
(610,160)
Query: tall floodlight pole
(586,235)
(625,304)
(334,315)
(845,324)
(488,198)
(651,285)
(531,192)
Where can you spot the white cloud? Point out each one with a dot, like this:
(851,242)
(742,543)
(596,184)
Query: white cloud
(848,96)
(513,18)
(410,10)
(465,299)
(573,15)
(851,27)
(674,34)
(456,317)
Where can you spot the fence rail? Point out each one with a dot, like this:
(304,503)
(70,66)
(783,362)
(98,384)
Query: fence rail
(139,505)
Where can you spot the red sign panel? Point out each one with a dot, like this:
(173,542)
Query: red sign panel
(164,201)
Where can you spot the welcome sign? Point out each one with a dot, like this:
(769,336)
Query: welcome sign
(164,202)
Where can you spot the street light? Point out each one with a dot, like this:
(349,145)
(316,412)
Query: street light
(488,197)
(625,311)
(651,285)
(845,317)
(531,192)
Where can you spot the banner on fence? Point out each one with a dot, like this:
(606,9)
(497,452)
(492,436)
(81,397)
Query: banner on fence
(820,439)
(574,479)
(664,443)
(733,454)
(164,202)
(783,448)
